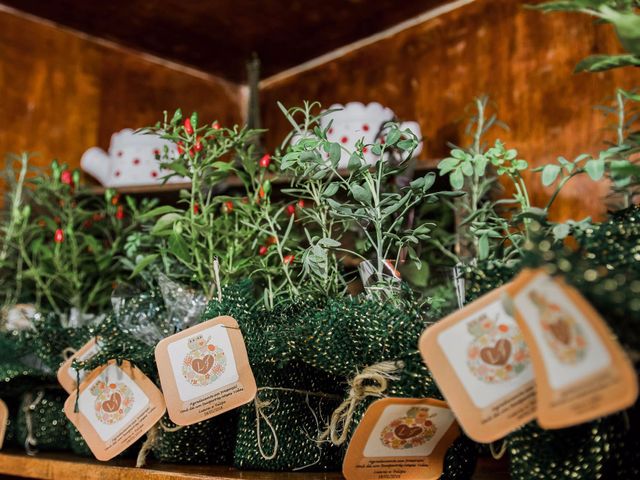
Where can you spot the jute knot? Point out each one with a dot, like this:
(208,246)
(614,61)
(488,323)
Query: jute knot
(371,382)
(152,438)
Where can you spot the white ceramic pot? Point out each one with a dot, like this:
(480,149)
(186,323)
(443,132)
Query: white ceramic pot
(131,160)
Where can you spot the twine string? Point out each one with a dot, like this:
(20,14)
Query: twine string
(500,453)
(152,438)
(371,382)
(30,405)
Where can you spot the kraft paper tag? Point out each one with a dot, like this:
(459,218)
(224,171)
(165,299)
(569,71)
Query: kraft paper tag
(581,371)
(482,365)
(4,421)
(67,376)
(401,438)
(204,371)
(117,404)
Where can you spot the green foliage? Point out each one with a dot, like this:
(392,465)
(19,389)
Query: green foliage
(622,14)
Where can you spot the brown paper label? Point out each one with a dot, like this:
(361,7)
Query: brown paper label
(4,421)
(581,371)
(67,375)
(117,404)
(204,371)
(479,358)
(401,438)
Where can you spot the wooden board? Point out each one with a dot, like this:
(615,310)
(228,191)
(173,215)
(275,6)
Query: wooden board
(218,36)
(64,466)
(62,93)
(522,59)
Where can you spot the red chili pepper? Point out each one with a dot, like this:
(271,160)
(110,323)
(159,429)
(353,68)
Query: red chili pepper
(301,203)
(198,146)
(272,240)
(291,210)
(120,212)
(215,126)
(66,177)
(196,208)
(228,206)
(265,161)
(58,237)
(261,193)
(180,147)
(187,126)
(288,259)
(192,152)
(115,199)
(263,250)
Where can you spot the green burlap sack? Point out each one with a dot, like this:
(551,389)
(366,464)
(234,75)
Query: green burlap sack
(346,336)
(605,268)
(42,421)
(293,399)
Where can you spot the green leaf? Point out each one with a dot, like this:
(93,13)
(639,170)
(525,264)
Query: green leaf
(331,189)
(355,162)
(599,63)
(467,168)
(459,154)
(447,164)
(178,247)
(159,211)
(328,242)
(520,164)
(406,144)
(561,230)
(334,153)
(393,136)
(144,263)
(361,194)
(376,149)
(165,222)
(457,179)
(483,247)
(480,164)
(549,174)
(595,169)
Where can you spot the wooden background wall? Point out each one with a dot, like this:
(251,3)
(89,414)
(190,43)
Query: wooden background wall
(61,93)
(521,58)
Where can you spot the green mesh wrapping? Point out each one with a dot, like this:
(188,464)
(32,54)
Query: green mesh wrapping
(208,442)
(606,270)
(341,336)
(77,443)
(48,421)
(15,376)
(296,417)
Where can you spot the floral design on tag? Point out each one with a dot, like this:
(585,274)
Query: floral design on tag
(113,401)
(561,331)
(204,363)
(409,431)
(497,352)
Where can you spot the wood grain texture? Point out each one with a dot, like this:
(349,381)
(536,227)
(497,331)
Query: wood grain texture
(522,59)
(218,36)
(49,466)
(61,93)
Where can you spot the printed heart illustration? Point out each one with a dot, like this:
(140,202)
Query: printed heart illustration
(561,330)
(113,404)
(405,431)
(498,354)
(202,365)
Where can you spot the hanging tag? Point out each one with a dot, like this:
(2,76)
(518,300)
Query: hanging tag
(116,405)
(401,438)
(581,371)
(4,421)
(67,375)
(205,371)
(482,366)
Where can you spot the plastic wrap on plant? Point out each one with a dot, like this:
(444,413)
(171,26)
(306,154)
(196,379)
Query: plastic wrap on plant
(147,325)
(184,305)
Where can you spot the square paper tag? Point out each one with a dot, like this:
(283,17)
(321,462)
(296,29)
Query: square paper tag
(4,421)
(204,371)
(67,376)
(581,371)
(401,438)
(482,365)
(117,404)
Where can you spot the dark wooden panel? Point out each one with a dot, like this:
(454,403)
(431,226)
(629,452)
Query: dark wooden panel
(521,58)
(219,35)
(61,94)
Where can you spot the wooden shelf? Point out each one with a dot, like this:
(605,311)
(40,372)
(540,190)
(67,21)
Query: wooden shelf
(63,466)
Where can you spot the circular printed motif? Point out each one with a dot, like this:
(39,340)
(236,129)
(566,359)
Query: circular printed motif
(498,352)
(113,401)
(410,431)
(204,363)
(563,334)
